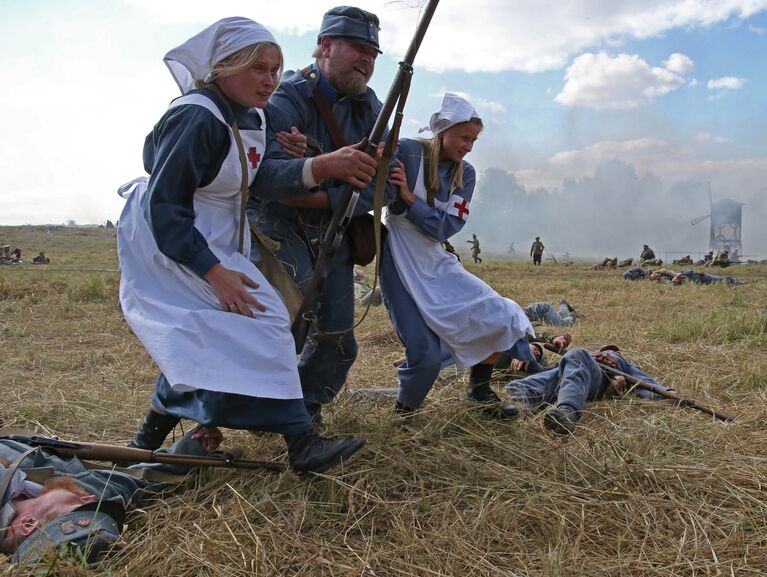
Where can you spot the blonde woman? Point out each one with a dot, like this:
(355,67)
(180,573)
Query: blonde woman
(441,312)
(218,331)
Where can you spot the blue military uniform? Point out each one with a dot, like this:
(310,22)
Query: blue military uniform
(330,352)
(577,379)
(543,312)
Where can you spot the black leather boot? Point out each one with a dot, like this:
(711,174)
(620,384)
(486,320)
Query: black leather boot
(561,419)
(311,453)
(480,391)
(152,432)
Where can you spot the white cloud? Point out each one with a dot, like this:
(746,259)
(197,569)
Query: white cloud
(725,83)
(679,63)
(533,179)
(703,137)
(488,35)
(757,30)
(623,81)
(670,162)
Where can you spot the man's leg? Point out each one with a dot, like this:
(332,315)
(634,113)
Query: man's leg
(551,316)
(580,379)
(535,390)
(331,350)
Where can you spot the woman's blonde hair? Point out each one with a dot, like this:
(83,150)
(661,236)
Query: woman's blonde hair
(432,148)
(241,60)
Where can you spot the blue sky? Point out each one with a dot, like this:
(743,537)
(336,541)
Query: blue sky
(673,88)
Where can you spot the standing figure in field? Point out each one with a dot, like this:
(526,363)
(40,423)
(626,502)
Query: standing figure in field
(347,48)
(475,250)
(436,306)
(536,251)
(216,328)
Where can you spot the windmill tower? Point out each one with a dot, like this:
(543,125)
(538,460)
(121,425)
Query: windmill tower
(726,215)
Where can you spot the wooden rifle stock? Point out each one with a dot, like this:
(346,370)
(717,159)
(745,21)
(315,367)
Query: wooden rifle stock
(640,384)
(344,211)
(115,453)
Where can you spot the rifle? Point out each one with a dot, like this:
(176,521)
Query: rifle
(640,384)
(114,453)
(343,213)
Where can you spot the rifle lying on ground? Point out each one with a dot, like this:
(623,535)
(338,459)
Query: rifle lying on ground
(343,213)
(640,384)
(114,453)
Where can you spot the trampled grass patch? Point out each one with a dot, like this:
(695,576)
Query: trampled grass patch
(643,488)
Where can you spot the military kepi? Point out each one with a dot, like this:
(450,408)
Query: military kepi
(353,23)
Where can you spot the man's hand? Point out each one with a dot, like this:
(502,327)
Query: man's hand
(616,388)
(519,366)
(229,286)
(208,437)
(349,164)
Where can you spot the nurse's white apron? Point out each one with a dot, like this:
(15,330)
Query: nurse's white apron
(175,313)
(471,318)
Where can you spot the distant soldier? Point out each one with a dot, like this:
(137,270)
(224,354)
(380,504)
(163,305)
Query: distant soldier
(475,250)
(512,250)
(647,253)
(626,263)
(451,249)
(41,259)
(684,260)
(6,254)
(16,255)
(721,258)
(536,251)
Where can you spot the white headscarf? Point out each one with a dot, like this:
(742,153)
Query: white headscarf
(195,58)
(454,110)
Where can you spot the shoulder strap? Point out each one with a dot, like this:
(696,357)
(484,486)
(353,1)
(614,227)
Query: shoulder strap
(327,117)
(244,192)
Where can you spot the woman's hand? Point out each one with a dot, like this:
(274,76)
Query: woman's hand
(397,178)
(293,142)
(229,286)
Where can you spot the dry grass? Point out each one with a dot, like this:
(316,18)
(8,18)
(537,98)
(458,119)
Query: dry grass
(643,489)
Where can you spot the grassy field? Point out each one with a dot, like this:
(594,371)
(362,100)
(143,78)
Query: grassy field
(644,488)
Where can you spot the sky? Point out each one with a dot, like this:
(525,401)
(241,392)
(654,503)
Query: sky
(604,122)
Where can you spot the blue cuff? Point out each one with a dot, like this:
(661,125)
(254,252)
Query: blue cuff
(203,261)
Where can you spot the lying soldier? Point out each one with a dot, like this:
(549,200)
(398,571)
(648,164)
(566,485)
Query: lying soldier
(47,502)
(576,379)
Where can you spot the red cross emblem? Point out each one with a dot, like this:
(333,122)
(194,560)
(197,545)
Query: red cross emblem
(462,208)
(254,157)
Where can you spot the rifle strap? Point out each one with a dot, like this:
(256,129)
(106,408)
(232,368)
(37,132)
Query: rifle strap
(323,107)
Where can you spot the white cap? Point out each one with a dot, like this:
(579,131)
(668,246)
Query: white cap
(195,58)
(454,110)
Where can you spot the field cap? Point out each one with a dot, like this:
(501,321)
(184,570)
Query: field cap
(455,109)
(353,23)
(194,59)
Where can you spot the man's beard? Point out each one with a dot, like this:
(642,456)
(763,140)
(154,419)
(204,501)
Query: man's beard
(351,84)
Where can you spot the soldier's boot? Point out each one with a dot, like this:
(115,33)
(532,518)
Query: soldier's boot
(403,410)
(561,419)
(480,392)
(153,431)
(315,413)
(311,453)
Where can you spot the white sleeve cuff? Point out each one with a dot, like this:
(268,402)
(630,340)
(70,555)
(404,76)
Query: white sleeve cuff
(306,175)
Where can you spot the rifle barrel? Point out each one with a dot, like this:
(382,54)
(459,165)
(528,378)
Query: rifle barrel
(116,453)
(302,322)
